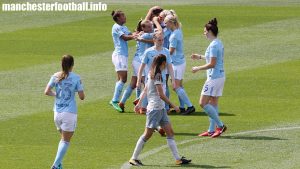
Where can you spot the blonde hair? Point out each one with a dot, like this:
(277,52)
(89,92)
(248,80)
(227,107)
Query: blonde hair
(168,12)
(174,20)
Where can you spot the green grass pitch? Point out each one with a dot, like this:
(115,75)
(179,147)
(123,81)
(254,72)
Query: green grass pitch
(260,103)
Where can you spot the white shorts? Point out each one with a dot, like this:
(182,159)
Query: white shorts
(120,62)
(136,66)
(213,87)
(179,71)
(65,121)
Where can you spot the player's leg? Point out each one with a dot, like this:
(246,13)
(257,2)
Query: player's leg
(179,74)
(67,127)
(212,124)
(139,146)
(127,92)
(209,90)
(121,64)
(167,106)
(173,146)
(167,127)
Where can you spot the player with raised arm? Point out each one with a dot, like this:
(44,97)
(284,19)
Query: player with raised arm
(144,41)
(121,35)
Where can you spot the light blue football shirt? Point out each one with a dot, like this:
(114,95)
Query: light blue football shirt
(121,46)
(142,46)
(176,41)
(65,92)
(215,49)
(167,34)
(149,55)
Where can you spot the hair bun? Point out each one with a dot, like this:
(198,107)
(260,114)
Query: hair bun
(112,13)
(213,22)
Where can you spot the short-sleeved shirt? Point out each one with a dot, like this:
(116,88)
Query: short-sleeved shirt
(154,100)
(176,41)
(121,46)
(215,49)
(142,46)
(149,55)
(65,92)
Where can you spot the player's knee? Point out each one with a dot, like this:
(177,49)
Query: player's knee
(202,104)
(170,134)
(147,136)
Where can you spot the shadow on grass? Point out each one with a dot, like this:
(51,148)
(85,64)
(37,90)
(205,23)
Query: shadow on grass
(177,114)
(191,165)
(201,114)
(187,134)
(251,138)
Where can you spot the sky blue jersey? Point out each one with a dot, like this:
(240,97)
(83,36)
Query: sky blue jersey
(176,41)
(142,46)
(149,55)
(65,92)
(121,46)
(167,33)
(215,49)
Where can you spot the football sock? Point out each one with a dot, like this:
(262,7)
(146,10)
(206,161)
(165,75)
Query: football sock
(212,113)
(62,149)
(183,96)
(118,91)
(138,92)
(172,145)
(126,94)
(139,147)
(212,123)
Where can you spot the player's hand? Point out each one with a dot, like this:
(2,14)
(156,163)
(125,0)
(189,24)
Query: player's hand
(176,108)
(195,69)
(195,56)
(137,108)
(155,19)
(138,38)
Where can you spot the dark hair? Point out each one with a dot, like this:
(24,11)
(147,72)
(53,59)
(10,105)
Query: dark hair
(116,13)
(139,26)
(157,62)
(157,11)
(67,62)
(142,24)
(212,26)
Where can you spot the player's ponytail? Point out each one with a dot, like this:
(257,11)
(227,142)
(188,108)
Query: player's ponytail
(139,26)
(157,62)
(67,62)
(115,14)
(212,26)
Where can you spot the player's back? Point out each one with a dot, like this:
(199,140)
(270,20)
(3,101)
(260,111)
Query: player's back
(65,93)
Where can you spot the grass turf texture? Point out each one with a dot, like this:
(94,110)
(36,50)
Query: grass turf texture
(263,94)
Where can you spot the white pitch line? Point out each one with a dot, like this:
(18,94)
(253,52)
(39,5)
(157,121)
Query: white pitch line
(126,165)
